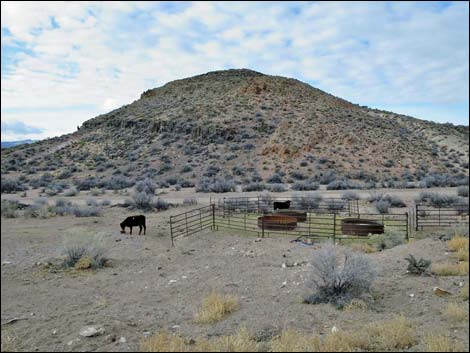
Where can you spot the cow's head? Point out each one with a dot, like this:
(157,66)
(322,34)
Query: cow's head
(288,203)
(123,227)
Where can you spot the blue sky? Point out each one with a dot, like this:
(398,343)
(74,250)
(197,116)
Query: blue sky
(65,62)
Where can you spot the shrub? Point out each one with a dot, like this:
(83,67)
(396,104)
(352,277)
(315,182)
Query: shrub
(417,267)
(86,211)
(9,186)
(437,200)
(276,187)
(190,201)
(336,205)
(86,184)
(105,202)
(394,201)
(96,192)
(462,191)
(142,201)
(186,169)
(298,175)
(77,246)
(215,185)
(254,187)
(118,182)
(9,209)
(71,192)
(63,207)
(388,240)
(90,201)
(343,184)
(339,276)
(275,179)
(147,186)
(38,209)
(350,195)
(215,307)
(308,201)
(160,204)
(305,185)
(382,206)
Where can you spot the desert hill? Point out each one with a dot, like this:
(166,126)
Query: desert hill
(247,127)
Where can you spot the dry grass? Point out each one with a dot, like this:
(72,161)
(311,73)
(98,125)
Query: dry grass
(384,336)
(449,269)
(462,254)
(464,292)
(363,247)
(456,312)
(215,307)
(441,343)
(356,305)
(166,342)
(458,243)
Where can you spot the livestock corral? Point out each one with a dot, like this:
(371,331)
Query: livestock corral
(235,273)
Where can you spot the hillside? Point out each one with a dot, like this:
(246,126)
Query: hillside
(7,144)
(247,126)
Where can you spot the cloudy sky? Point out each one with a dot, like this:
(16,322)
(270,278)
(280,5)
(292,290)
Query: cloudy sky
(64,63)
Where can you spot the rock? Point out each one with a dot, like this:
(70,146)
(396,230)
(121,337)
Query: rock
(122,340)
(284,265)
(84,263)
(441,292)
(110,338)
(411,295)
(334,329)
(91,331)
(146,333)
(284,284)
(6,263)
(54,332)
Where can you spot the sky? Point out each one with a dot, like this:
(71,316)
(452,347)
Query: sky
(63,63)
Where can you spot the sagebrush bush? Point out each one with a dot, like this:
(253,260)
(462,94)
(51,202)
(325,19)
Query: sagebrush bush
(389,239)
(437,200)
(147,186)
(9,186)
(350,195)
(339,275)
(71,192)
(306,185)
(215,185)
(86,211)
(336,205)
(10,209)
(160,204)
(77,246)
(142,201)
(189,201)
(382,206)
(307,201)
(462,191)
(276,187)
(256,186)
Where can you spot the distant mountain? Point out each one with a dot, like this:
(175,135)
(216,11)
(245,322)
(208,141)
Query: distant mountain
(245,126)
(6,144)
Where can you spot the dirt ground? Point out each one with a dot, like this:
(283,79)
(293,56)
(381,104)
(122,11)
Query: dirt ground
(152,285)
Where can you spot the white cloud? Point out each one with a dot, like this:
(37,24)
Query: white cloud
(105,54)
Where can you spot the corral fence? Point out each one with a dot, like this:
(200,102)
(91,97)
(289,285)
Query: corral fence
(426,216)
(191,222)
(316,224)
(309,203)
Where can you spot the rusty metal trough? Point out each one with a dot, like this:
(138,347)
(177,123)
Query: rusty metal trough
(277,222)
(363,227)
(300,215)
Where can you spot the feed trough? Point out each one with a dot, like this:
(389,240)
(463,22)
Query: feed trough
(364,227)
(277,222)
(300,215)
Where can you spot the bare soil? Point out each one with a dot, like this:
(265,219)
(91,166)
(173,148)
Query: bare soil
(152,286)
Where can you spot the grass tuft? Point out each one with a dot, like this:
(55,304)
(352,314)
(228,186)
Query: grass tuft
(449,269)
(455,312)
(215,307)
(441,343)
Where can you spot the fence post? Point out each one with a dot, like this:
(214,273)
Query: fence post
(334,228)
(244,221)
(258,205)
(416,217)
(186,217)
(213,216)
(407,229)
(171,232)
(439,215)
(262,229)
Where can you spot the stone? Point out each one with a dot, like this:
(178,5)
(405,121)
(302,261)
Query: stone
(91,331)
(122,340)
(441,292)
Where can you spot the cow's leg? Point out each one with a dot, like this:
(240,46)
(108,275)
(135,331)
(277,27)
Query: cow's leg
(140,229)
(145,228)
(131,229)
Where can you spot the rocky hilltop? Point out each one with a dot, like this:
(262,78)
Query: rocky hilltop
(247,127)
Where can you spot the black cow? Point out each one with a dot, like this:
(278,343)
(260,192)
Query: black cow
(134,221)
(281,205)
